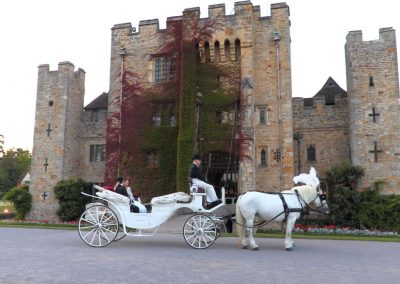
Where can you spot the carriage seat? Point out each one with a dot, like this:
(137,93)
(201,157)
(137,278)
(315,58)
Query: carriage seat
(195,189)
(171,198)
(111,195)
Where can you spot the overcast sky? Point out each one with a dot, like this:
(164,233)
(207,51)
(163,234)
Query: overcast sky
(51,31)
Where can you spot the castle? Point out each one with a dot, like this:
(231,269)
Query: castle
(219,86)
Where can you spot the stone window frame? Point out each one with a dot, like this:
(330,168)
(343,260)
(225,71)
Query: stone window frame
(311,153)
(97,153)
(263,115)
(164,68)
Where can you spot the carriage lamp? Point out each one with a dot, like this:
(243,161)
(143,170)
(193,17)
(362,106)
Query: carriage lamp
(5,211)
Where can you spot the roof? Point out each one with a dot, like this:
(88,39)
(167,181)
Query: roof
(101,102)
(330,88)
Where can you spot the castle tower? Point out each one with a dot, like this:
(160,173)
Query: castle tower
(259,45)
(56,143)
(373,89)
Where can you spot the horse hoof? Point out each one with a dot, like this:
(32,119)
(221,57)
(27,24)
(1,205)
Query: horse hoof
(256,248)
(245,247)
(289,249)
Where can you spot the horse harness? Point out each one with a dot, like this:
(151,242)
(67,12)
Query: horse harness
(286,210)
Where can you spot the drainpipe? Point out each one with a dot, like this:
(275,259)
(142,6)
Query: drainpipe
(122,54)
(277,38)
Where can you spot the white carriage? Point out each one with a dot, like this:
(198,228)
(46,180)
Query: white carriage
(110,219)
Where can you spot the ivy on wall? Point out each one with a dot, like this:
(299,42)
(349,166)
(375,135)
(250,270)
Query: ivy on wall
(152,148)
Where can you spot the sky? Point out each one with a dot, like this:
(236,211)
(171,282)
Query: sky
(79,31)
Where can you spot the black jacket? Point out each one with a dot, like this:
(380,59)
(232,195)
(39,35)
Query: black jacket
(195,172)
(121,190)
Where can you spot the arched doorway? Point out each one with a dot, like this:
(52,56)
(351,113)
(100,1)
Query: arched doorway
(221,170)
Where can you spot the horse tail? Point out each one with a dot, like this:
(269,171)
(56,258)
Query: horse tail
(239,220)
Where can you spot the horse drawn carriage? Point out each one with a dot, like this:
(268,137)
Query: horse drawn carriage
(110,219)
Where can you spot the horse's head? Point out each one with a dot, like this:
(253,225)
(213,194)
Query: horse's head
(320,201)
(313,194)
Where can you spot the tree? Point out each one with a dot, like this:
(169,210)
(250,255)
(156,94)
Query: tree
(21,198)
(1,145)
(13,164)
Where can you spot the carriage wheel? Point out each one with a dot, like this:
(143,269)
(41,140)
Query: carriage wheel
(200,231)
(98,226)
(121,234)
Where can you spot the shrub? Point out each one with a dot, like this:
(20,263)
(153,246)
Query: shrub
(343,196)
(72,202)
(21,198)
(378,211)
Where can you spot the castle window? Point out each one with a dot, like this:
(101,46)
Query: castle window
(164,69)
(277,155)
(263,158)
(197,51)
(157,119)
(263,116)
(172,120)
(308,102)
(311,157)
(330,99)
(152,159)
(217,52)
(94,116)
(218,117)
(227,49)
(51,103)
(371,81)
(207,52)
(97,153)
(237,50)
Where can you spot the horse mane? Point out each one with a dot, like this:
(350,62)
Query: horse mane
(307,192)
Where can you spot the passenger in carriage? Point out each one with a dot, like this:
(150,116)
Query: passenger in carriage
(134,200)
(199,181)
(122,187)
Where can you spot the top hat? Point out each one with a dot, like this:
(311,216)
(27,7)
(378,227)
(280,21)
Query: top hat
(196,157)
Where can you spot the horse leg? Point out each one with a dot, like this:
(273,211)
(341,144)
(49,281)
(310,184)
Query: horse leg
(240,228)
(289,243)
(249,229)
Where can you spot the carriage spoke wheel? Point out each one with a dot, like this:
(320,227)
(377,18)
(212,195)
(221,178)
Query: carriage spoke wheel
(98,226)
(200,231)
(121,234)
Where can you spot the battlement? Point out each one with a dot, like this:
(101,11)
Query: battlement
(241,9)
(64,66)
(387,35)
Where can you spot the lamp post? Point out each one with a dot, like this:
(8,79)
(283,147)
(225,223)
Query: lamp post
(122,55)
(298,136)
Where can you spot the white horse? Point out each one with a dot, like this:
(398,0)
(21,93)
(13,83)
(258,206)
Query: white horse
(286,206)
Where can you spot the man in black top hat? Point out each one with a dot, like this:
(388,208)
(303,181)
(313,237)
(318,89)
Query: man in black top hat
(199,181)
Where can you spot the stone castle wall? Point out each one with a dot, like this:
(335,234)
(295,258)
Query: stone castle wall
(93,132)
(265,70)
(373,87)
(55,154)
(325,127)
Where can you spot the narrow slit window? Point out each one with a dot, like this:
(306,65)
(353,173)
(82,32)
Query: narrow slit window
(217,52)
(227,49)
(207,52)
(263,158)
(371,81)
(311,153)
(237,50)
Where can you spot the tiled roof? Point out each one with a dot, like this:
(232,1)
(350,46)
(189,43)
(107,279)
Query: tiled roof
(330,87)
(101,102)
